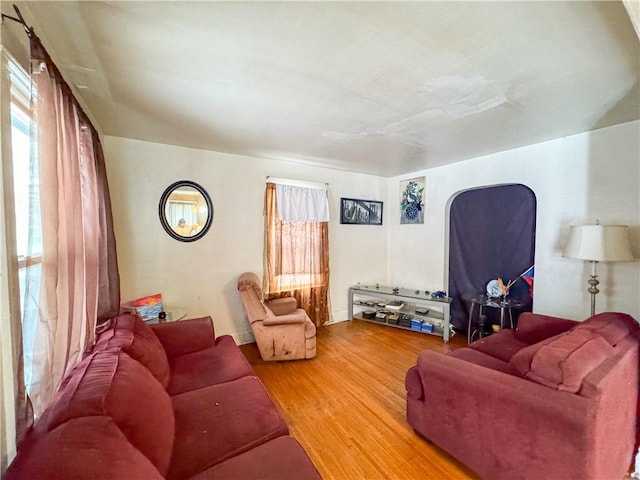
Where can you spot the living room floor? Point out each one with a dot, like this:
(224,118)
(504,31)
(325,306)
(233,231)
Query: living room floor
(347,406)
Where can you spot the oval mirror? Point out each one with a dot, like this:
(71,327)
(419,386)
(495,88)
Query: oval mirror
(185,211)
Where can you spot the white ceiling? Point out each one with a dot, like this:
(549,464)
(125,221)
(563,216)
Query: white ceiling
(384,88)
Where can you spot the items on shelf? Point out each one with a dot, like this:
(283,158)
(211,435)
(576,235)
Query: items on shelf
(395,305)
(402,308)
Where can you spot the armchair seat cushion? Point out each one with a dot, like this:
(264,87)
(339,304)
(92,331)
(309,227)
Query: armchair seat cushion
(297,316)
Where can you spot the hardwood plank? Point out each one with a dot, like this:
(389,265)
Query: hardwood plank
(347,406)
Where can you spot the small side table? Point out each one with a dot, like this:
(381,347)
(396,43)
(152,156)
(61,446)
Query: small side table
(482,301)
(174,314)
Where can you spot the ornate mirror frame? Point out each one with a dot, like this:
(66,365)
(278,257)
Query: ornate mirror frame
(186,192)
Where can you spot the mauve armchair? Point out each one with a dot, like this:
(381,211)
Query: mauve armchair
(282,330)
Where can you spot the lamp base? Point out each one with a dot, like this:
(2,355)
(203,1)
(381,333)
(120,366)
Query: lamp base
(593,287)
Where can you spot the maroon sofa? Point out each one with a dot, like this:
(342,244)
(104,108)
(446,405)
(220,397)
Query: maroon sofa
(554,399)
(162,401)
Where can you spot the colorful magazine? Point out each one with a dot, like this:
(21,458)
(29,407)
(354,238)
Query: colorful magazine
(149,307)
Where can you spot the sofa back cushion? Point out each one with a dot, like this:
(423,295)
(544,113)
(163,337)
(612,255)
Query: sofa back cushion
(612,326)
(85,447)
(111,384)
(563,361)
(139,341)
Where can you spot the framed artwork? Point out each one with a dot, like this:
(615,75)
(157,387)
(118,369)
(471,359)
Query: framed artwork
(149,307)
(412,200)
(360,212)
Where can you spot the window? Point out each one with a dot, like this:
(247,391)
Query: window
(27,207)
(297,260)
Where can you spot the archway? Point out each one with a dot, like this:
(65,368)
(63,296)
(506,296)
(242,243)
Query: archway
(491,235)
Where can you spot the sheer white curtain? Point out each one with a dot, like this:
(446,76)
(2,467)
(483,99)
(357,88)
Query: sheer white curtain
(302,204)
(14,412)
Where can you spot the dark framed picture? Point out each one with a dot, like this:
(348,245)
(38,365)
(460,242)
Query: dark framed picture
(360,212)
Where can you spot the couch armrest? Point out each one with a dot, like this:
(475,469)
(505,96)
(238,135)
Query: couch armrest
(502,416)
(510,394)
(534,327)
(185,336)
(292,318)
(282,306)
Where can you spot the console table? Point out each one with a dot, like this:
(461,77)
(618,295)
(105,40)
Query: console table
(403,308)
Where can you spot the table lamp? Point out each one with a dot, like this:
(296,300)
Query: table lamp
(598,243)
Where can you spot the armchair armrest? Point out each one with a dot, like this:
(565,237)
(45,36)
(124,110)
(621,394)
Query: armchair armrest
(292,318)
(282,306)
(186,336)
(534,327)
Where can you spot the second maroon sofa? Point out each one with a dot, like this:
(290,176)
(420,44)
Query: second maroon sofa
(554,399)
(162,401)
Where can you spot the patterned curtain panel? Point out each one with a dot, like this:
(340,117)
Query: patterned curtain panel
(79,285)
(296,261)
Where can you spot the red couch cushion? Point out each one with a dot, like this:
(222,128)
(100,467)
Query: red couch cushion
(220,363)
(483,359)
(218,422)
(562,361)
(278,459)
(502,345)
(138,340)
(85,447)
(109,383)
(534,327)
(612,326)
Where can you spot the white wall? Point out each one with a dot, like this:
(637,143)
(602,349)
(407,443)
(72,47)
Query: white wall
(202,275)
(576,180)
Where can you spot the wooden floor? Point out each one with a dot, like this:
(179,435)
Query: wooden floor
(347,406)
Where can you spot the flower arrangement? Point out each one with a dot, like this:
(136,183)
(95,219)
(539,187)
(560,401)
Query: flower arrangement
(505,288)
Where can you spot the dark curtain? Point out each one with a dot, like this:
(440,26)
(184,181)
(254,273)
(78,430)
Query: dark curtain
(492,234)
(109,275)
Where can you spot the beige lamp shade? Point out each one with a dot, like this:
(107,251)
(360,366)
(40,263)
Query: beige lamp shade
(600,243)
